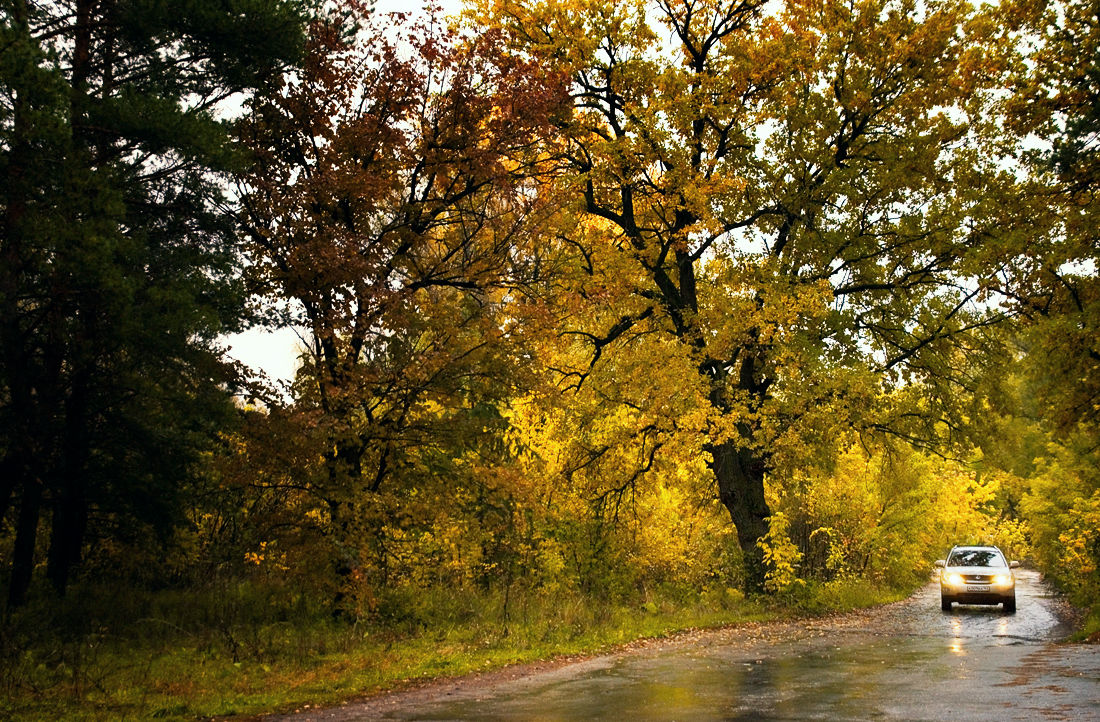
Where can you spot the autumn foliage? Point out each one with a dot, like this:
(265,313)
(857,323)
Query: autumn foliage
(630,300)
(618,295)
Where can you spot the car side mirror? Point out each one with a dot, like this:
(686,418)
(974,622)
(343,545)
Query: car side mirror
(1014,565)
(941,563)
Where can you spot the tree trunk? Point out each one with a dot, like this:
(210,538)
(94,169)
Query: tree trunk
(69,523)
(70,502)
(26,535)
(19,481)
(740,476)
(69,480)
(8,471)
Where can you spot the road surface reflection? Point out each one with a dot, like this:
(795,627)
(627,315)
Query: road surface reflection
(907,661)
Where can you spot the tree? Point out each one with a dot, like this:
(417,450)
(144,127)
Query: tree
(118,268)
(1056,100)
(387,208)
(804,200)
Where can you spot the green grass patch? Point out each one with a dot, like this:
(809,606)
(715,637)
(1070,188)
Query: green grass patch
(236,650)
(810,598)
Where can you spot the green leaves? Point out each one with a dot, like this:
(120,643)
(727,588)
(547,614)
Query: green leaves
(118,268)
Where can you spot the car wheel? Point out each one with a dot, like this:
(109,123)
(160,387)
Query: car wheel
(945,604)
(1010,604)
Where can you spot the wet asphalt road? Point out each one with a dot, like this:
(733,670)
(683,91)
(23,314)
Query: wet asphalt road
(906,661)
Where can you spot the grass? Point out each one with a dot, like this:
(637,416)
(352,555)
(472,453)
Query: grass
(238,652)
(1089,630)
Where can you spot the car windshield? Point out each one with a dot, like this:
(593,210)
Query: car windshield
(976,558)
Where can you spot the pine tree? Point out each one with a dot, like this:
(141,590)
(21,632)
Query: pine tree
(118,270)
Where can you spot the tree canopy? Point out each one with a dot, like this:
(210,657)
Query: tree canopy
(801,198)
(595,296)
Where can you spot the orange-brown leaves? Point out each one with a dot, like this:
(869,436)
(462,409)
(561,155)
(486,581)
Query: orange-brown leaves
(386,210)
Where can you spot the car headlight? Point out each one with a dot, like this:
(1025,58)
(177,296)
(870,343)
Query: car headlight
(1003,579)
(952,579)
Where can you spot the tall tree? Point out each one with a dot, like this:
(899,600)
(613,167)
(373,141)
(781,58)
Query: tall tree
(1057,102)
(118,268)
(800,196)
(386,208)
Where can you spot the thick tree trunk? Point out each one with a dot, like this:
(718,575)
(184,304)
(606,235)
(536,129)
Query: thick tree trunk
(69,479)
(69,523)
(70,502)
(70,506)
(740,476)
(26,535)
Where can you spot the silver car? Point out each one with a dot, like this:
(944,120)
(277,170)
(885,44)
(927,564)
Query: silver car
(977,575)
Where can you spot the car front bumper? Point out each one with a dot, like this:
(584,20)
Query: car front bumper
(978,593)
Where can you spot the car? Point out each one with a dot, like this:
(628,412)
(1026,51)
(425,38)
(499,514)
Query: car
(977,575)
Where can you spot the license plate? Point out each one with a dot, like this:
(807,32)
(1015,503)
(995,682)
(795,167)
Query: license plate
(977,587)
